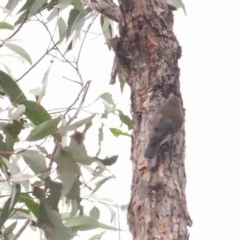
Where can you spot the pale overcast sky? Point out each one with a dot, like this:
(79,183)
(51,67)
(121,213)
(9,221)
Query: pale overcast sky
(210,81)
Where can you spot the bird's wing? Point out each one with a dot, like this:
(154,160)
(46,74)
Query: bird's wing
(161,131)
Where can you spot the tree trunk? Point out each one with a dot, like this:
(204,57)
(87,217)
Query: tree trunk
(148,53)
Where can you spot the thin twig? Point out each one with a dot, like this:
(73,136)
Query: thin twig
(56,57)
(75,68)
(108,204)
(85,90)
(38,61)
(84,38)
(17,235)
(53,155)
(77,98)
(72,80)
(10,153)
(24,20)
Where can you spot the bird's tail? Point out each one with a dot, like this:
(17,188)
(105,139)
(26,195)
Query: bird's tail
(151,150)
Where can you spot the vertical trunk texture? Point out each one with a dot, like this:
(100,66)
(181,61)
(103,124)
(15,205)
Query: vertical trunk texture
(147,52)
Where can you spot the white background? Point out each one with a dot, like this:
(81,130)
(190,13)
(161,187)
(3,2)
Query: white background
(209,36)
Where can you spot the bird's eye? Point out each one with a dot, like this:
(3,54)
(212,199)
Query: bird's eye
(155,129)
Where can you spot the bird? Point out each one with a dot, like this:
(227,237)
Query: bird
(165,123)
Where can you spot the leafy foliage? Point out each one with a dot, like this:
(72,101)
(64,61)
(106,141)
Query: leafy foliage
(42,171)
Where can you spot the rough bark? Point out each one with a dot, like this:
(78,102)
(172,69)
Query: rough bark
(148,53)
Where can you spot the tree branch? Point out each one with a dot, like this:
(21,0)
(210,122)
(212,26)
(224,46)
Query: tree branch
(105,7)
(38,61)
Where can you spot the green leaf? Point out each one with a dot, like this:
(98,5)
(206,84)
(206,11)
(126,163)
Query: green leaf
(95,213)
(4,25)
(75,207)
(106,28)
(55,193)
(100,183)
(30,204)
(69,47)
(19,50)
(36,6)
(63,4)
(11,4)
(100,139)
(45,82)
(178,4)
(28,4)
(74,193)
(87,126)
(9,229)
(67,169)
(51,223)
(44,129)
(97,236)
(9,204)
(125,119)
(36,162)
(35,112)
(72,17)
(87,223)
(77,5)
(4,146)
(22,18)
(52,4)
(53,14)
(80,19)
(9,71)
(62,29)
(109,161)
(117,132)
(76,125)
(11,88)
(108,103)
(107,97)
(122,82)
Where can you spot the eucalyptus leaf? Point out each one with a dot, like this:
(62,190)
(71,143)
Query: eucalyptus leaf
(100,139)
(80,19)
(97,236)
(117,132)
(44,129)
(36,162)
(122,82)
(36,6)
(109,161)
(95,213)
(11,4)
(100,183)
(19,50)
(30,204)
(107,97)
(76,125)
(67,170)
(87,223)
(35,112)
(72,17)
(9,204)
(62,29)
(178,4)
(11,88)
(9,229)
(125,119)
(4,25)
